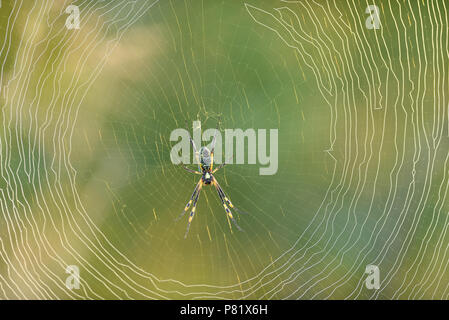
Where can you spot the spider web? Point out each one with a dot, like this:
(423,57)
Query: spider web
(86,176)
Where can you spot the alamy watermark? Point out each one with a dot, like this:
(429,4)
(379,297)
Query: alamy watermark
(73,20)
(236,141)
(73,280)
(372,281)
(373,21)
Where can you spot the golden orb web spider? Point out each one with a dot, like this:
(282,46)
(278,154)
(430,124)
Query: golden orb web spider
(205,160)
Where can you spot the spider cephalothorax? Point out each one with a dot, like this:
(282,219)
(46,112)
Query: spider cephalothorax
(205,159)
(207,178)
(205,165)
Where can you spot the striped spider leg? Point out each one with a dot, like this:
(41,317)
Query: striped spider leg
(192,213)
(220,190)
(192,198)
(212,147)
(226,199)
(197,155)
(226,203)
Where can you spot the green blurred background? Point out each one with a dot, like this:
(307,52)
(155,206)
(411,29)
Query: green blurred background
(363,149)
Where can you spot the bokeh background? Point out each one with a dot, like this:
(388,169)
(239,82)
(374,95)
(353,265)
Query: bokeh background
(86,177)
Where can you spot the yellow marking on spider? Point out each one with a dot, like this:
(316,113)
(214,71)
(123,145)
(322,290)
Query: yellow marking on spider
(230,203)
(190,219)
(193,209)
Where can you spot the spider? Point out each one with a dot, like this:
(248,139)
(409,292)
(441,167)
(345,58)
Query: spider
(205,160)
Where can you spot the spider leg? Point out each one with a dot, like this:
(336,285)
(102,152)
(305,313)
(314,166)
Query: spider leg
(190,201)
(192,213)
(225,198)
(228,201)
(212,149)
(190,170)
(219,167)
(222,165)
(223,201)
